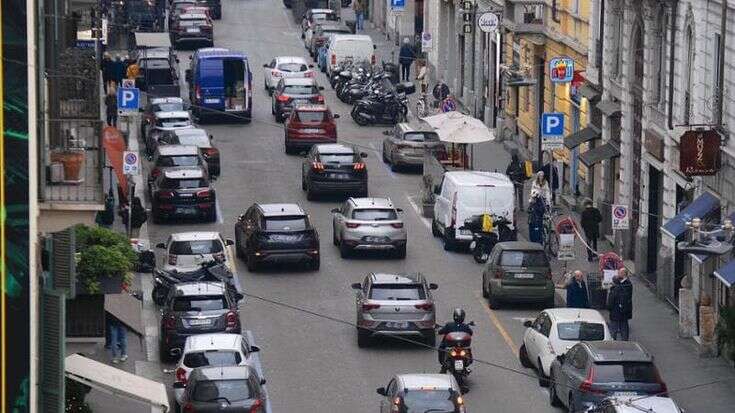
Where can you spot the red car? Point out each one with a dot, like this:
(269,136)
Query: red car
(309,125)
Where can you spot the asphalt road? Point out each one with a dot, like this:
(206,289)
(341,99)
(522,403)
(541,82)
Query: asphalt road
(313,363)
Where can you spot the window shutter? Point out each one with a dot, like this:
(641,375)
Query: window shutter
(63,262)
(52,351)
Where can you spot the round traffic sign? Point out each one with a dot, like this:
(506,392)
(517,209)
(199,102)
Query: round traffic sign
(488,22)
(131,158)
(620,212)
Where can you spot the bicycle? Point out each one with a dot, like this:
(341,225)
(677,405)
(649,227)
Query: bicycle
(550,237)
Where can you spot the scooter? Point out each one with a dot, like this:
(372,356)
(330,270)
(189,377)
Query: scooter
(386,108)
(213,270)
(458,355)
(483,242)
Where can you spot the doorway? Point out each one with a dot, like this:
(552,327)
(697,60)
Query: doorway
(655,205)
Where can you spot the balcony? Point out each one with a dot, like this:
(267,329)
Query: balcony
(525,16)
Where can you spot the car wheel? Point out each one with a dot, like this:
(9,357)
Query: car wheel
(435,229)
(553,397)
(251,263)
(385,158)
(394,167)
(265,86)
(543,380)
(164,353)
(571,408)
(363,338)
(288,149)
(238,251)
(401,252)
(310,195)
(448,241)
(485,292)
(177,408)
(273,105)
(492,302)
(523,357)
(334,238)
(430,339)
(303,183)
(344,250)
(314,264)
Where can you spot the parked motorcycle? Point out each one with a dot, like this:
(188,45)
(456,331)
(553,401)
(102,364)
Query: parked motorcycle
(214,270)
(483,242)
(458,356)
(357,91)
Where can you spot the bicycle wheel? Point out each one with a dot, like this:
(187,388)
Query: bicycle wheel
(420,109)
(553,243)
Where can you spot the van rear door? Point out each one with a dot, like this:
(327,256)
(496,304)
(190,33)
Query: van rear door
(210,91)
(480,199)
(236,80)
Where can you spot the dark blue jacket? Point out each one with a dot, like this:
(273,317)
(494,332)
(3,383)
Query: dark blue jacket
(452,327)
(406,56)
(577,295)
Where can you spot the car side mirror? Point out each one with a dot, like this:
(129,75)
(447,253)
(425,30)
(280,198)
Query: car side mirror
(229,242)
(335,210)
(254,349)
(437,190)
(356,286)
(262,382)
(267,66)
(363,154)
(321,87)
(375,47)
(471,323)
(527,323)
(211,137)
(381,391)
(336,116)
(241,217)
(310,66)
(161,245)
(179,385)
(433,286)
(239,296)
(561,358)
(387,132)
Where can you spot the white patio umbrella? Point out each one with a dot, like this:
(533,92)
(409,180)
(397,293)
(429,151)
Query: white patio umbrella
(455,127)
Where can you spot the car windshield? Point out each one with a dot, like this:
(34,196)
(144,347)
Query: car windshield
(300,90)
(193,140)
(183,183)
(374,214)
(200,303)
(338,158)
(626,372)
(337,31)
(170,122)
(167,107)
(397,292)
(192,22)
(179,160)
(292,67)
(212,358)
(219,390)
(421,137)
(195,247)
(581,331)
(157,76)
(524,259)
(285,224)
(311,116)
(435,401)
(324,16)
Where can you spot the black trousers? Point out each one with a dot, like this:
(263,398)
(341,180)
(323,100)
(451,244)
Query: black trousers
(405,71)
(592,242)
(112,119)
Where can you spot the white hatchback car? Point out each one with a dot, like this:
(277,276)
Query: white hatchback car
(283,67)
(554,332)
(186,251)
(203,350)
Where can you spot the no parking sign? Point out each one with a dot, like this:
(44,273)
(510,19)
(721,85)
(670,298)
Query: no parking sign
(131,163)
(620,217)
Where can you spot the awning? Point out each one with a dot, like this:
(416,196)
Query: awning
(581,136)
(726,274)
(589,92)
(703,258)
(117,382)
(599,154)
(145,40)
(704,205)
(609,108)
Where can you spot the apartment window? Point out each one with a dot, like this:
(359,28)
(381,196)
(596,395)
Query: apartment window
(617,26)
(659,72)
(574,7)
(689,39)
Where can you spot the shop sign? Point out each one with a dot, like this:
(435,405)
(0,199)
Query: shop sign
(426,41)
(699,152)
(561,69)
(654,145)
(488,22)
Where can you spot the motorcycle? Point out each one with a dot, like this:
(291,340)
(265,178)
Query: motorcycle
(214,270)
(380,81)
(384,108)
(483,242)
(458,355)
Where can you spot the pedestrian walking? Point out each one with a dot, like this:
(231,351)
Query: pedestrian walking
(576,287)
(118,338)
(620,305)
(111,107)
(107,67)
(552,177)
(359,7)
(590,221)
(133,70)
(406,57)
(541,187)
(118,70)
(517,174)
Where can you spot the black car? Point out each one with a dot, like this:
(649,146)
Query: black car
(158,72)
(276,232)
(192,29)
(294,91)
(197,308)
(334,168)
(183,192)
(236,389)
(215,6)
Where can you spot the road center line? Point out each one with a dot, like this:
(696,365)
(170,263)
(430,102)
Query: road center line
(416,208)
(498,325)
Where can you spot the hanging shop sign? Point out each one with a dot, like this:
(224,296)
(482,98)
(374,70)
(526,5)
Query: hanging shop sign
(561,69)
(488,22)
(699,152)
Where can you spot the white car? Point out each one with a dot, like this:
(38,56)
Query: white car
(637,404)
(186,251)
(203,350)
(283,67)
(554,332)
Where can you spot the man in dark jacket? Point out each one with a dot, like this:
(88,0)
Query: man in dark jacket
(111,108)
(517,175)
(620,305)
(590,221)
(552,174)
(577,291)
(458,325)
(405,58)
(107,70)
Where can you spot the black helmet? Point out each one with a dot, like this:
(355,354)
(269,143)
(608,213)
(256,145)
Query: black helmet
(458,315)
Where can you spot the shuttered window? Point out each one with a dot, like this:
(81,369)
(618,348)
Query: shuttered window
(52,351)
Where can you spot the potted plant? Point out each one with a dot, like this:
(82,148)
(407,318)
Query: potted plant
(72,160)
(726,332)
(105,260)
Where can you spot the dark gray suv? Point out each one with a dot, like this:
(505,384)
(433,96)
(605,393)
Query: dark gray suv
(591,371)
(236,389)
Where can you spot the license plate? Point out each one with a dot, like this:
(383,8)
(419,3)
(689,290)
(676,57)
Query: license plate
(625,394)
(186,195)
(211,100)
(458,364)
(376,239)
(192,30)
(339,176)
(312,131)
(465,232)
(397,324)
(200,322)
(186,211)
(300,101)
(524,276)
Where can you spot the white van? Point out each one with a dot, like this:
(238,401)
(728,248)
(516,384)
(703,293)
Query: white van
(358,47)
(463,194)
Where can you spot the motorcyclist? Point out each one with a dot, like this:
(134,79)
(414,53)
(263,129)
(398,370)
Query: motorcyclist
(456,326)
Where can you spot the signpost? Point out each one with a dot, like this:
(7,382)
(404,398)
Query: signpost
(128,100)
(131,163)
(561,69)
(398,5)
(699,152)
(552,131)
(620,217)
(488,22)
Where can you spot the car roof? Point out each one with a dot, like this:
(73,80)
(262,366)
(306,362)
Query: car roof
(312,108)
(639,404)
(426,381)
(157,63)
(299,81)
(217,341)
(334,148)
(352,37)
(312,11)
(372,202)
(223,373)
(173,150)
(562,315)
(290,59)
(189,289)
(274,210)
(154,53)
(173,114)
(520,246)
(386,278)
(195,236)
(605,351)
(158,101)
(474,178)
(184,172)
(208,52)
(327,25)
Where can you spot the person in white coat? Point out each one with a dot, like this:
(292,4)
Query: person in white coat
(541,187)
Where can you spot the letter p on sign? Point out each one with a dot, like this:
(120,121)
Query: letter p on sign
(552,124)
(128,99)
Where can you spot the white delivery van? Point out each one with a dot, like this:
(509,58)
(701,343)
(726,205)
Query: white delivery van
(355,47)
(463,194)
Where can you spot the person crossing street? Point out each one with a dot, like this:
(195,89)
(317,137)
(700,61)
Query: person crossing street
(406,58)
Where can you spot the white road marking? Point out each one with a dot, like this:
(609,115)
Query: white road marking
(220,218)
(379,155)
(425,221)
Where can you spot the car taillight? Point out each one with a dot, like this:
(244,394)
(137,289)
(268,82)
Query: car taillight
(359,166)
(373,60)
(396,406)
(170,322)
(155,172)
(172,259)
(276,73)
(166,194)
(210,152)
(204,193)
(586,385)
(663,391)
(397,225)
(317,166)
(425,307)
(319,99)
(352,225)
(310,73)
(334,60)
(257,406)
(231,319)
(181,375)
(499,273)
(283,98)
(368,307)
(198,93)
(454,210)
(188,408)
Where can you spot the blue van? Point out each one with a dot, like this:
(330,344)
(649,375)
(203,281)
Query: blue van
(220,83)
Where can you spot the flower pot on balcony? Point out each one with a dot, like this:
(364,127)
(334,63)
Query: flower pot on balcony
(72,160)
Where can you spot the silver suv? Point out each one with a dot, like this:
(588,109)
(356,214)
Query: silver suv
(422,393)
(395,305)
(368,224)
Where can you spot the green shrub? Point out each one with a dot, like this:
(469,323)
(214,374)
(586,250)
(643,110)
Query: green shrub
(726,330)
(102,253)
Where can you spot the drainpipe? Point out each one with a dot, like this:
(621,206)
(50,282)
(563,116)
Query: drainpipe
(721,68)
(672,49)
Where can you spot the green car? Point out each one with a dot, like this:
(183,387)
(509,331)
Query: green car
(518,272)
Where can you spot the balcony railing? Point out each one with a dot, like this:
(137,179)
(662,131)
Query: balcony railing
(526,16)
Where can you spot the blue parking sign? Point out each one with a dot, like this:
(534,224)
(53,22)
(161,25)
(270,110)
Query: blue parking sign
(552,124)
(397,4)
(128,99)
